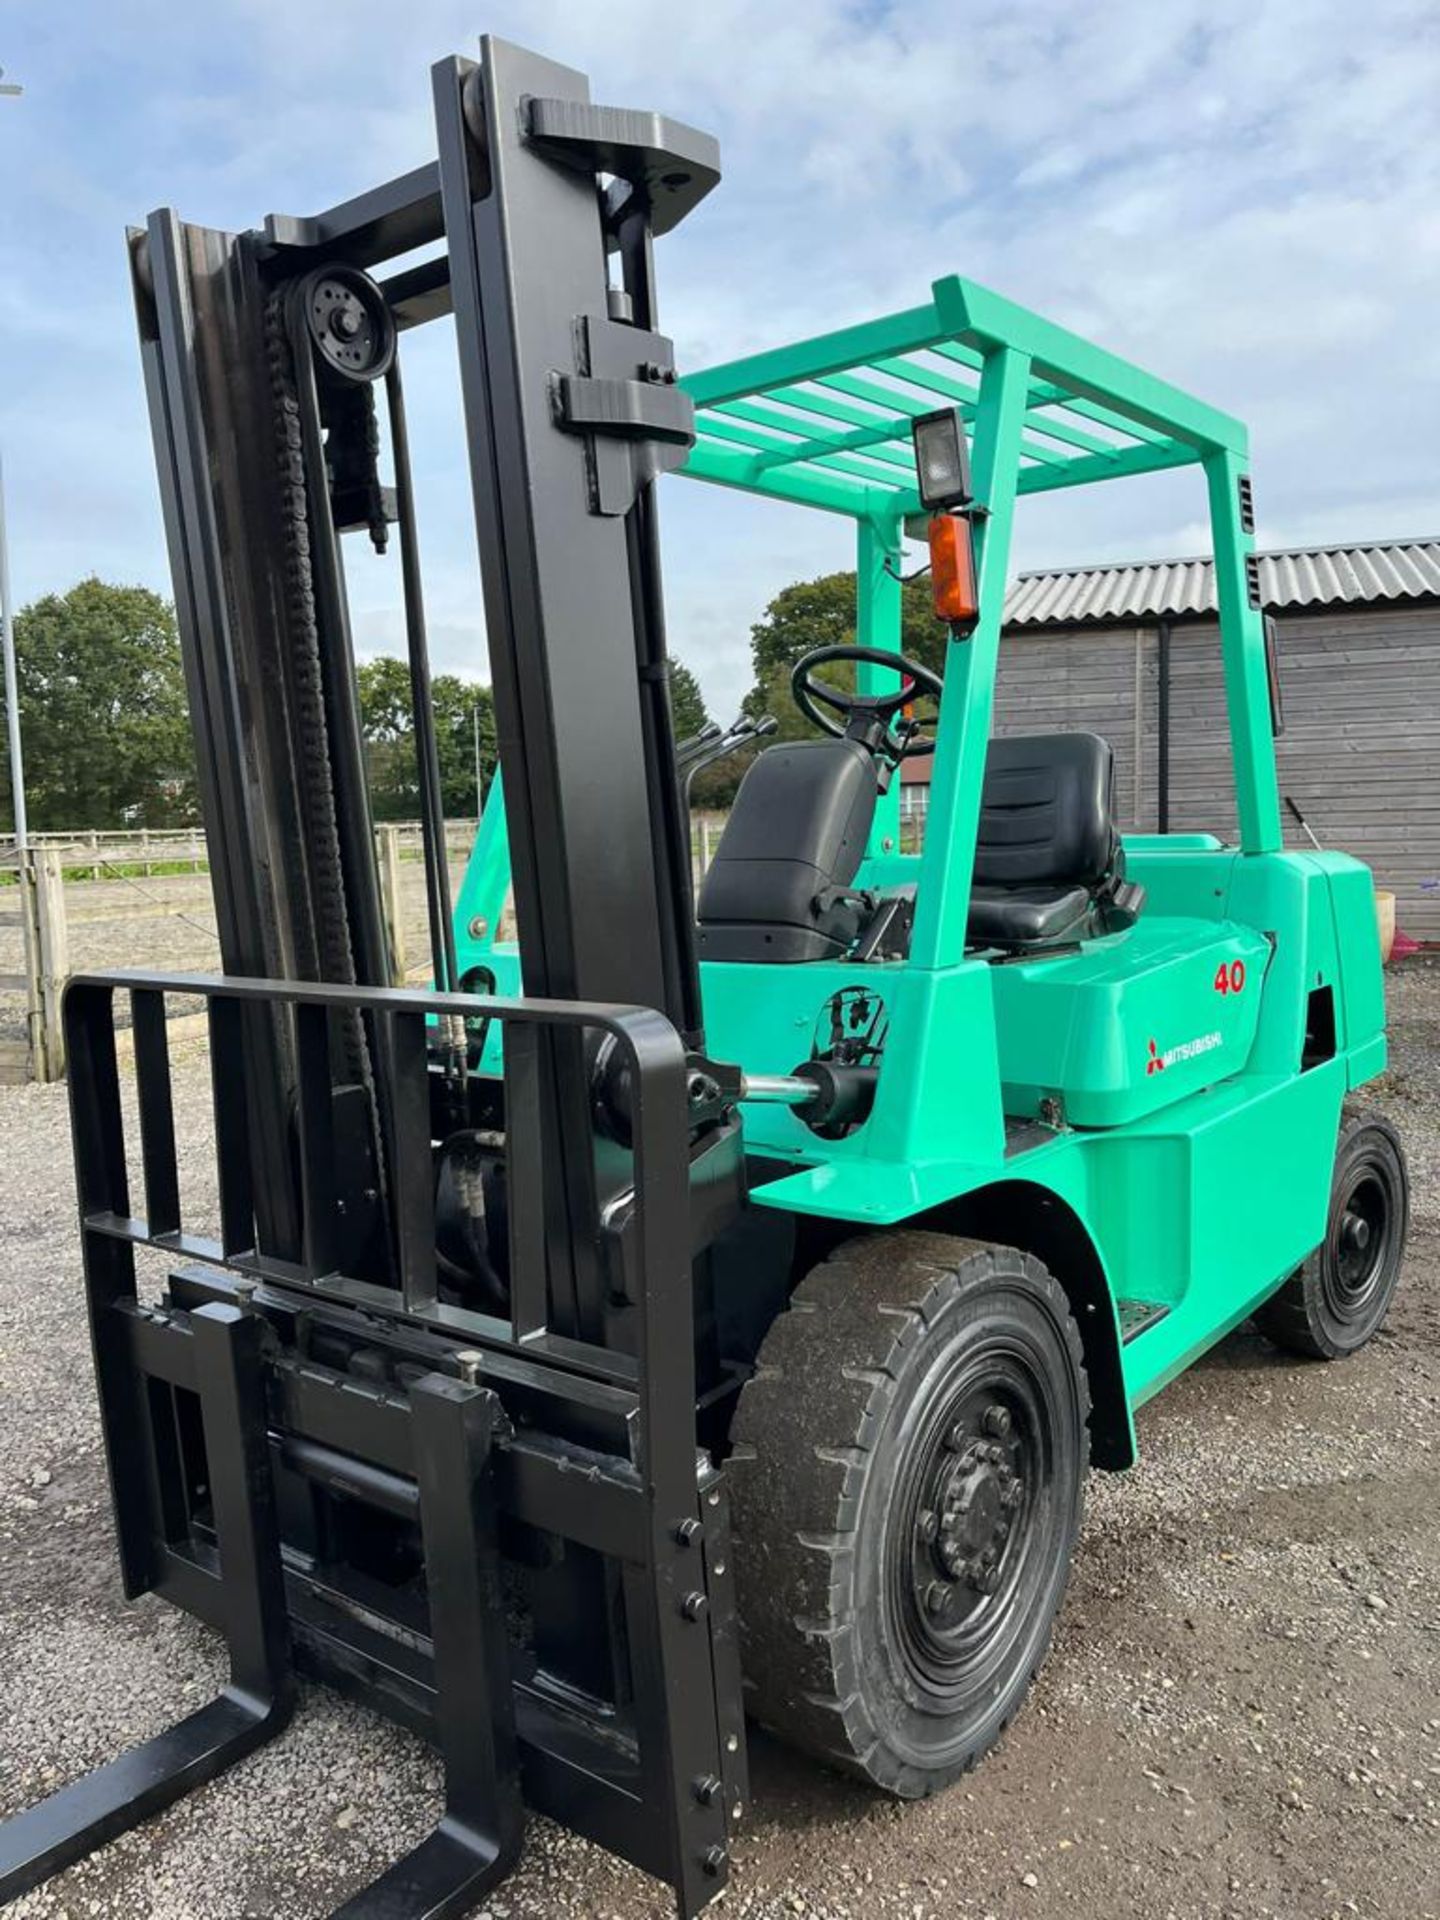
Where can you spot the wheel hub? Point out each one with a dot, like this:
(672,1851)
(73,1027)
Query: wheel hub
(1355,1233)
(1359,1244)
(966,1522)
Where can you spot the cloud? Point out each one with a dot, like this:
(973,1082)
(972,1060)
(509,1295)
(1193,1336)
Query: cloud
(1240,197)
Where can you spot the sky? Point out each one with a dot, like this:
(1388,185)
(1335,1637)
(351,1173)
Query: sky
(1243,198)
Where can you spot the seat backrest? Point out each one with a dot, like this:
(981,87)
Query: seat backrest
(798,826)
(1045,812)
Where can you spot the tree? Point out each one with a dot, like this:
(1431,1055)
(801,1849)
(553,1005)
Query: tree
(457,703)
(384,686)
(387,725)
(103,714)
(687,702)
(821,613)
(805,615)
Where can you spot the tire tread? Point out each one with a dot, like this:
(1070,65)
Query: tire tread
(807,1423)
(1290,1316)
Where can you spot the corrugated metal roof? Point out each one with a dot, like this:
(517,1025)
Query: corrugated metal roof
(1297,577)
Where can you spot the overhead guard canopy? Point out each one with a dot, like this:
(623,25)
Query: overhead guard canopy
(827,422)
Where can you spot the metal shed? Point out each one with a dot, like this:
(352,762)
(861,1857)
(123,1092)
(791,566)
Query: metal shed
(1132,652)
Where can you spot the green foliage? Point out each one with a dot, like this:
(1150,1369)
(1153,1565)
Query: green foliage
(386,722)
(821,613)
(687,702)
(103,714)
(802,616)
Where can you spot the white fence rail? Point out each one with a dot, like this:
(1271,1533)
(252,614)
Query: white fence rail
(99,855)
(46,895)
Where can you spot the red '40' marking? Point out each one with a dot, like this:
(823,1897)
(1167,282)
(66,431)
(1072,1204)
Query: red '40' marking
(1230,977)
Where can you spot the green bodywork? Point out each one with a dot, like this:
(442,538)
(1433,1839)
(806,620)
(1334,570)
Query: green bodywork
(1153,1091)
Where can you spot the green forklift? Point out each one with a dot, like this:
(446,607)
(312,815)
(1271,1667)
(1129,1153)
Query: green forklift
(1012,1090)
(709,1302)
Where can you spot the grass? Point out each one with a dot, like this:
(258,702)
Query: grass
(118,870)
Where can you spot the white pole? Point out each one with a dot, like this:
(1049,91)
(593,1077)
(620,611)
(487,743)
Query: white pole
(12,685)
(475,715)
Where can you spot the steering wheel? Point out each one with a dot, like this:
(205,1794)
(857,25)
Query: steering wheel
(813,696)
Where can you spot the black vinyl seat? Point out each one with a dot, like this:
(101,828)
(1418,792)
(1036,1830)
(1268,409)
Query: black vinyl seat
(776,889)
(1049,866)
(1026,916)
(1048,863)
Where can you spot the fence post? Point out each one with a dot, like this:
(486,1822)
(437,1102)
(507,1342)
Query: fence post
(53,949)
(389,857)
(47,959)
(30,933)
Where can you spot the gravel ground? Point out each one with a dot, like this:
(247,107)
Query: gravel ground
(1241,1716)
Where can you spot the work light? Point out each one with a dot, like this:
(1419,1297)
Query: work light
(942,459)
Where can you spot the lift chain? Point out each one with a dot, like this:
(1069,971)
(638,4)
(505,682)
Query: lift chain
(335,955)
(352,454)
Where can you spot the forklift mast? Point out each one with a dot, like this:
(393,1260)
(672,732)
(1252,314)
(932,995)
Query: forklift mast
(422,1419)
(263,353)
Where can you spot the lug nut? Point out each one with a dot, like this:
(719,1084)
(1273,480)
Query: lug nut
(997,1420)
(927,1526)
(956,1437)
(937,1596)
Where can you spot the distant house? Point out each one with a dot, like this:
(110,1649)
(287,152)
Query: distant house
(1132,652)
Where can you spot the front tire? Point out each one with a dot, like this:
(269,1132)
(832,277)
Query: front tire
(907,1481)
(1338,1299)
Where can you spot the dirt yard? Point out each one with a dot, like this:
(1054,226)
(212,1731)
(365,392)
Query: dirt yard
(1241,1716)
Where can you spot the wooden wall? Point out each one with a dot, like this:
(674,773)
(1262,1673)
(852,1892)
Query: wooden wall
(1361,748)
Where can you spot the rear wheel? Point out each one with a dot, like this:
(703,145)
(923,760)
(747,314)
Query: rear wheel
(1334,1303)
(907,1482)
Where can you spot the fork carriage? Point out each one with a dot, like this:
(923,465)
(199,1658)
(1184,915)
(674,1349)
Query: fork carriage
(332,1472)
